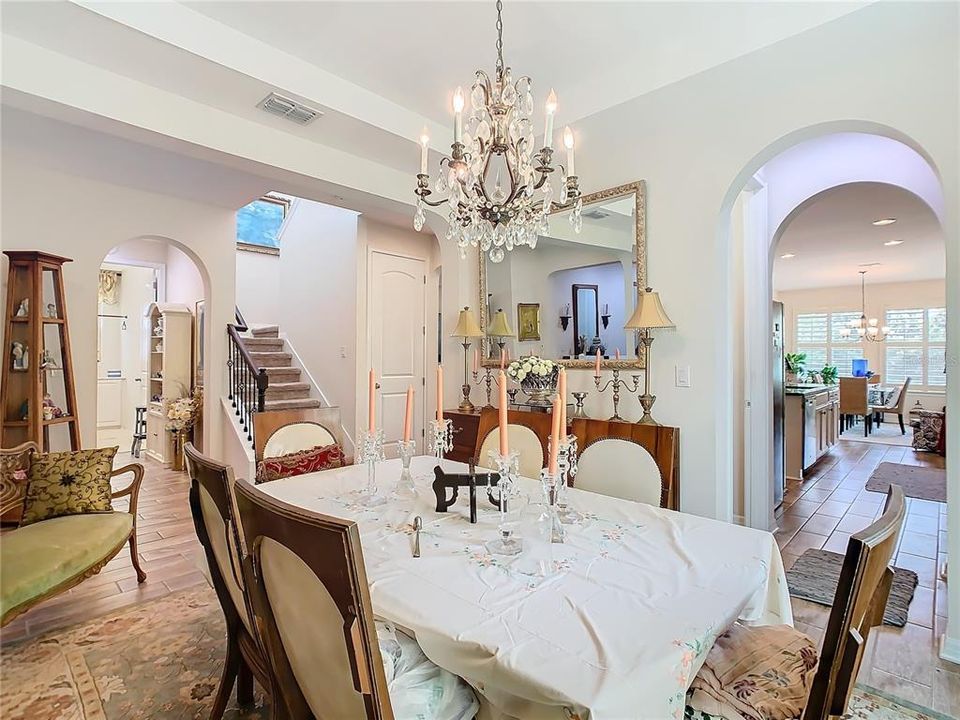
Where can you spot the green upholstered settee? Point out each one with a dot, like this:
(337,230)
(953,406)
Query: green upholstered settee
(46,558)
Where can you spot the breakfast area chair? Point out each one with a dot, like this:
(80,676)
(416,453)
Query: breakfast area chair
(214,516)
(896,403)
(529,434)
(312,605)
(854,403)
(281,432)
(777,662)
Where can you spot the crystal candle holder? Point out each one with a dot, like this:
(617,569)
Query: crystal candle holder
(566,470)
(508,468)
(441,437)
(371,453)
(405,487)
(551,482)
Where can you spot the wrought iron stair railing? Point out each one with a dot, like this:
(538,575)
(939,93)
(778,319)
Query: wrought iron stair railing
(247,382)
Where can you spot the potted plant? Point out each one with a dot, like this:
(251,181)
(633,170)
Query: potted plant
(537,377)
(794,363)
(830,375)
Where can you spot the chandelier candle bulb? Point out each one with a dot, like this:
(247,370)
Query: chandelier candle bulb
(458,115)
(476,360)
(408,415)
(424,150)
(551,108)
(504,435)
(372,402)
(568,144)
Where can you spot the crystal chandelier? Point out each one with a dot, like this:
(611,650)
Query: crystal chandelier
(498,187)
(865,329)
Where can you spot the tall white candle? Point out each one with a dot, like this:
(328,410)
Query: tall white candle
(424,149)
(458,103)
(408,416)
(551,108)
(568,143)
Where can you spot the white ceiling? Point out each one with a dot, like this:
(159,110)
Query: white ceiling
(833,235)
(596,54)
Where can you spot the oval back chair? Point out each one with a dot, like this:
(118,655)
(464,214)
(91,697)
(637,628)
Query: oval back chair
(620,468)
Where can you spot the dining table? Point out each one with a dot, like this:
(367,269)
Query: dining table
(613,625)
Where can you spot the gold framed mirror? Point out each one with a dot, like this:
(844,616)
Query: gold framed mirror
(608,257)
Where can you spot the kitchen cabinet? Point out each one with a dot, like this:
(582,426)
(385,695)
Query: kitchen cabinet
(811,425)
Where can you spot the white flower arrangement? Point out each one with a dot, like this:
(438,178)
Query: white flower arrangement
(181,413)
(531,365)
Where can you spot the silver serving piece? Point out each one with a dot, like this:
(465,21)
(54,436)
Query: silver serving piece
(417,526)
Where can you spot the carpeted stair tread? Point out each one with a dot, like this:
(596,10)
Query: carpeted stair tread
(292,404)
(269,331)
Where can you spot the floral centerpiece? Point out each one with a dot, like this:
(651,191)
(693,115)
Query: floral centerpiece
(181,414)
(537,377)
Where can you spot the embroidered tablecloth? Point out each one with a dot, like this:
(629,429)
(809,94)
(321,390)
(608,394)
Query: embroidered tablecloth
(615,630)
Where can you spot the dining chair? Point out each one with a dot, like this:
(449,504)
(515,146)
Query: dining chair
(214,516)
(312,606)
(281,432)
(854,403)
(628,460)
(529,435)
(754,652)
(896,403)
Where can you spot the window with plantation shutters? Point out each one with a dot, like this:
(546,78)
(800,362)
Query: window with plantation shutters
(813,331)
(916,347)
(818,335)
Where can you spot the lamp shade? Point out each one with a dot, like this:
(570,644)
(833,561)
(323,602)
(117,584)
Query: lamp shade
(498,326)
(649,313)
(467,325)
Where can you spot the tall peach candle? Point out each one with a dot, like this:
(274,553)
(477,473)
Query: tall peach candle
(504,438)
(503,358)
(408,415)
(596,366)
(439,393)
(372,402)
(554,436)
(562,388)
(476,361)
(618,353)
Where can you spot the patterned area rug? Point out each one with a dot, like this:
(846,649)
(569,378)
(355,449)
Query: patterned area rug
(163,660)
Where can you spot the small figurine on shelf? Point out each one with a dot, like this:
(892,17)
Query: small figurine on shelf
(51,311)
(48,362)
(50,409)
(158,329)
(20,357)
(25,410)
(159,347)
(24,308)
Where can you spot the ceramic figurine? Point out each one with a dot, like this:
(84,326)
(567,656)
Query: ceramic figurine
(24,308)
(51,310)
(21,356)
(48,361)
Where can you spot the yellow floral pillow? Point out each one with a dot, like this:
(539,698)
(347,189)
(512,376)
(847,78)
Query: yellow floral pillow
(68,483)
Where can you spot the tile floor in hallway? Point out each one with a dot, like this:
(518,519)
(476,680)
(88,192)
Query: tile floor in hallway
(822,512)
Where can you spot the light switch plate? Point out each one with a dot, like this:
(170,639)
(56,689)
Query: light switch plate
(683,376)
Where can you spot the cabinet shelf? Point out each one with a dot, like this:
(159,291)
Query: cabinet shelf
(59,420)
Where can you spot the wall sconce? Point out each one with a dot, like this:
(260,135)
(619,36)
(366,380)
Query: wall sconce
(605,315)
(565,316)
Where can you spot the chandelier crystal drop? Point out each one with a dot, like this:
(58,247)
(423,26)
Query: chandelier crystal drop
(497,186)
(865,329)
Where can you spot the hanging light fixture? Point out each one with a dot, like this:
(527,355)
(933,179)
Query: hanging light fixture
(869,330)
(497,185)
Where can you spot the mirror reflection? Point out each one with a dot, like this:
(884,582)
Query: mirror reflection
(572,294)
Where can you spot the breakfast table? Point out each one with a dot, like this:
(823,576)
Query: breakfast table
(614,626)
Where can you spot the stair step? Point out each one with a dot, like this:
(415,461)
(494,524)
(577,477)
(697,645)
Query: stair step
(271,359)
(287,390)
(283,375)
(261,344)
(266,331)
(291,404)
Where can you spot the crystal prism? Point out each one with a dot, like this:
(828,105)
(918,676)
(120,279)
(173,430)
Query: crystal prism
(418,217)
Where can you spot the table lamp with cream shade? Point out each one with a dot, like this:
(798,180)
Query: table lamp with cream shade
(649,315)
(467,328)
(499,329)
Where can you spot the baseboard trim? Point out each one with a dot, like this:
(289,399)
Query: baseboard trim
(949,649)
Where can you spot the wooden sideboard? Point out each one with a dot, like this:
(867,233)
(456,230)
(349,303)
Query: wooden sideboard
(465,428)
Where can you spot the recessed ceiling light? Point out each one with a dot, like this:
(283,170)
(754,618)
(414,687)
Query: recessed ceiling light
(884,221)
(890,243)
(787,256)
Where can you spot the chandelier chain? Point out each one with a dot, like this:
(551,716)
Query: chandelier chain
(499,39)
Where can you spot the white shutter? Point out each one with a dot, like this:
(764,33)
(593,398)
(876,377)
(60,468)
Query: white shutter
(937,325)
(812,329)
(905,325)
(936,362)
(839,321)
(843,358)
(903,362)
(816,359)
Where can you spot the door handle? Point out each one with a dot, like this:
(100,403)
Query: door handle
(377,386)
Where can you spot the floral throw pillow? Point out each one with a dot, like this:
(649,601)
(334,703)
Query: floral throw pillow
(68,483)
(321,457)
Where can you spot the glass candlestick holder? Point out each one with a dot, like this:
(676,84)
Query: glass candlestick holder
(371,453)
(566,470)
(405,487)
(441,437)
(508,468)
(551,482)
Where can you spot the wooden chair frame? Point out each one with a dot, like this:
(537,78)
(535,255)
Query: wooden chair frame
(266,423)
(295,528)
(245,656)
(662,442)
(850,406)
(880,411)
(12,494)
(539,423)
(132,491)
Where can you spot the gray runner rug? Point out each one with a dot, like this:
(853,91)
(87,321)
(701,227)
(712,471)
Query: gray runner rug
(815,574)
(925,483)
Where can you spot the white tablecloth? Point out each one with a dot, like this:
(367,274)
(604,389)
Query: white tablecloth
(617,632)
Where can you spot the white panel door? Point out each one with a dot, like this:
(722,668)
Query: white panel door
(395,291)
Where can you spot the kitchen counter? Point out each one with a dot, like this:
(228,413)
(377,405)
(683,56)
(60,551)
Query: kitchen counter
(811,425)
(806,389)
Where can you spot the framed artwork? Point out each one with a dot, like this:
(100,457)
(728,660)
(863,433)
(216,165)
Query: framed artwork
(528,321)
(199,323)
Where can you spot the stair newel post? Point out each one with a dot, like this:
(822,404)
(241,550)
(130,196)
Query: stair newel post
(262,382)
(231,364)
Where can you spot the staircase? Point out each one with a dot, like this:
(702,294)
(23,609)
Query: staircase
(286,391)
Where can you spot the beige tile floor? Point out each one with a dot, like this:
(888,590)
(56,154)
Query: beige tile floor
(822,512)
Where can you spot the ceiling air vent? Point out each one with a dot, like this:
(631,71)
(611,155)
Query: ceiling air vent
(289,109)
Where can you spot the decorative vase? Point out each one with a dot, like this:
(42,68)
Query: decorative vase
(540,389)
(177,460)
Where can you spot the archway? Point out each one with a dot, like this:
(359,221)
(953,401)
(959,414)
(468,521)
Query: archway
(152,300)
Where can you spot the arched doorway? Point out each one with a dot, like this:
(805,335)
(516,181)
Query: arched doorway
(151,340)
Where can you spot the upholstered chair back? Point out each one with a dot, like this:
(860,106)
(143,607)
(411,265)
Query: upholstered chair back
(311,601)
(523,441)
(214,516)
(296,437)
(281,432)
(899,401)
(853,396)
(858,605)
(620,468)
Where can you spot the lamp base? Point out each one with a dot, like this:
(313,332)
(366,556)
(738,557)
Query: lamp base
(646,402)
(465,404)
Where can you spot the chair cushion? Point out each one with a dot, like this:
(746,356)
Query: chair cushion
(68,483)
(322,457)
(756,673)
(39,557)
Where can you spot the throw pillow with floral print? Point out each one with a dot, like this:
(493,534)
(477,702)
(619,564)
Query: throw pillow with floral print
(68,483)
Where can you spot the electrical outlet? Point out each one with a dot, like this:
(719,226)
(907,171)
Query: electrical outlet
(683,376)
(343,351)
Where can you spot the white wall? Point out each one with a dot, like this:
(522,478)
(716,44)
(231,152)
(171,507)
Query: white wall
(183,281)
(84,219)
(259,287)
